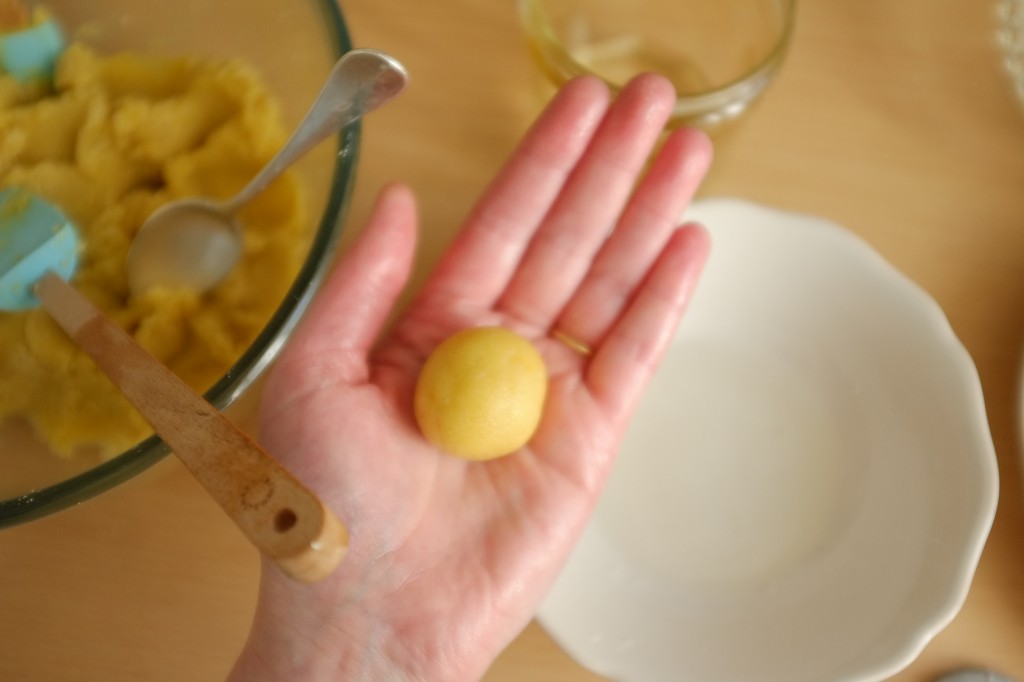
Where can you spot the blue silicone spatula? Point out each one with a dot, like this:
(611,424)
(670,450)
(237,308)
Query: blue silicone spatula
(280,516)
(31,42)
(35,238)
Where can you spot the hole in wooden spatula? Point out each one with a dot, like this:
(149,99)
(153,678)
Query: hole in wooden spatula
(285,520)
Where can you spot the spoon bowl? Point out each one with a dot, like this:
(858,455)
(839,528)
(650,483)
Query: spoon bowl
(194,243)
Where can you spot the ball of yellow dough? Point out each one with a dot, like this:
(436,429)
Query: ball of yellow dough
(480,394)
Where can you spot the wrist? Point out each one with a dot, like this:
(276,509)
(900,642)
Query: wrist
(311,633)
(372,624)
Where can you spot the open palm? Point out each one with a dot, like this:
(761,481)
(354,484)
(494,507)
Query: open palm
(449,559)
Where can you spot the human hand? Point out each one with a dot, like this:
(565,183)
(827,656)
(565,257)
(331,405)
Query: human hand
(449,559)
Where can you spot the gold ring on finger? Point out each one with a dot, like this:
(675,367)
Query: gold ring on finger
(572,342)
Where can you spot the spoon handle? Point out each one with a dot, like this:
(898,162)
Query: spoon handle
(280,516)
(360,81)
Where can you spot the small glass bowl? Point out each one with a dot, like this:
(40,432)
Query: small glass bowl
(719,54)
(293,46)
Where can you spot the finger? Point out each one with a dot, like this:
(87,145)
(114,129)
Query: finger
(355,301)
(590,204)
(649,219)
(480,261)
(627,357)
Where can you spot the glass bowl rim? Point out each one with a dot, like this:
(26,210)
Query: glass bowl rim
(256,358)
(562,66)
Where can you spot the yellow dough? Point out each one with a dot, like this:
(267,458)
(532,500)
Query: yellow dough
(480,394)
(117,137)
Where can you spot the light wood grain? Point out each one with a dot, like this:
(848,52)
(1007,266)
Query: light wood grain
(891,118)
(281,517)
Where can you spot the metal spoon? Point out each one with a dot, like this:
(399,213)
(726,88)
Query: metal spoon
(194,243)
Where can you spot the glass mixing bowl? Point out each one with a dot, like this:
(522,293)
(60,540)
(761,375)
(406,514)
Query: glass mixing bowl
(293,46)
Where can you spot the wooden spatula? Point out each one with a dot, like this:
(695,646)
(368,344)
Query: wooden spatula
(281,517)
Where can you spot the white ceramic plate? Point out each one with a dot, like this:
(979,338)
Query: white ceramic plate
(806,489)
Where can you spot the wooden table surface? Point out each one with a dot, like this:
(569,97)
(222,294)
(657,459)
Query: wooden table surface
(891,118)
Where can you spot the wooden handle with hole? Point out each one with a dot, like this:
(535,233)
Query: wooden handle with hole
(279,515)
